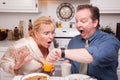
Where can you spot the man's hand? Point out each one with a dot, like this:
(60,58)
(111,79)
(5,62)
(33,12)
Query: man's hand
(54,55)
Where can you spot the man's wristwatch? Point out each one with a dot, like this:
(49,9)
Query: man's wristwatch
(63,53)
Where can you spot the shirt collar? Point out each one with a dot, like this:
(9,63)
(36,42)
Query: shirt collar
(94,35)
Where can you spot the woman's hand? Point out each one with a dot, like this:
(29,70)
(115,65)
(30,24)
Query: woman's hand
(23,57)
(54,55)
(52,71)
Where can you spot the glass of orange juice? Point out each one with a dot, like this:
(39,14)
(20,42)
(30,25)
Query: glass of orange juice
(48,67)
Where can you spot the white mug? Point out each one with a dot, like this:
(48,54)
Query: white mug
(65,69)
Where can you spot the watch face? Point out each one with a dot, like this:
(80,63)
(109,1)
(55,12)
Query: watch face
(65,11)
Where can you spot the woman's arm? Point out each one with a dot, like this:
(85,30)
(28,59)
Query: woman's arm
(14,59)
(7,62)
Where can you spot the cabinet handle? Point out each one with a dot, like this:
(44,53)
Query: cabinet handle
(36,5)
(4,3)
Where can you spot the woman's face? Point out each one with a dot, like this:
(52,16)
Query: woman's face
(45,35)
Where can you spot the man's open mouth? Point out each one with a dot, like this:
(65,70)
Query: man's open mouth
(49,42)
(81,31)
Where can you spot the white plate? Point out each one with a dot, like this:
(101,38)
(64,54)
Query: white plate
(78,77)
(35,74)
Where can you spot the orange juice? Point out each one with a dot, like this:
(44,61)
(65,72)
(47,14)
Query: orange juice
(48,67)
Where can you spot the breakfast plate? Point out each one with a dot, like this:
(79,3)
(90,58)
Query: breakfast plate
(79,77)
(36,76)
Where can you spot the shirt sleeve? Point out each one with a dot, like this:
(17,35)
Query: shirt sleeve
(7,62)
(104,53)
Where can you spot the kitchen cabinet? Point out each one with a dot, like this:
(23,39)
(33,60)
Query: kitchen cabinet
(28,6)
(107,6)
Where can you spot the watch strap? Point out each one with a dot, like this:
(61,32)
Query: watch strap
(63,53)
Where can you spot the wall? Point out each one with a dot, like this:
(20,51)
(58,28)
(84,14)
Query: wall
(48,8)
(110,20)
(10,20)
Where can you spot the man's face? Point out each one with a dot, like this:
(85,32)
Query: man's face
(84,23)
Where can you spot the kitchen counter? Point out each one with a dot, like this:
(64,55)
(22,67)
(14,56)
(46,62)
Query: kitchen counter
(6,43)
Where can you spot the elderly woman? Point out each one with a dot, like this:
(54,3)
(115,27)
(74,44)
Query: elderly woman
(28,54)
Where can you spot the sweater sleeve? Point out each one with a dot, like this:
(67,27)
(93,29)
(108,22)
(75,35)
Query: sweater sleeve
(7,62)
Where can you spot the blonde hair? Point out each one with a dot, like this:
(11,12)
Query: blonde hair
(39,22)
